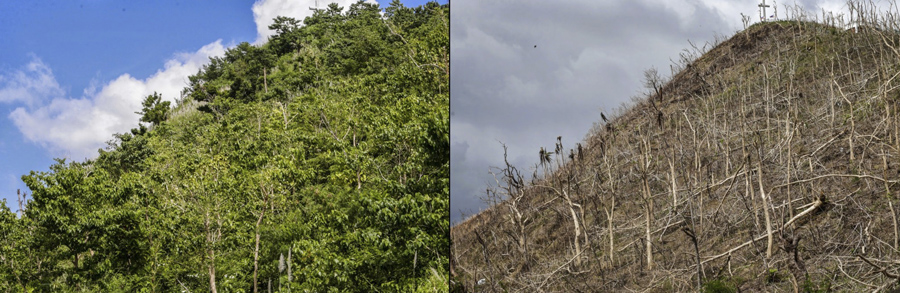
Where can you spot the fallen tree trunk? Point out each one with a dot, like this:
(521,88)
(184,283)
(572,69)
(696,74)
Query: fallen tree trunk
(818,203)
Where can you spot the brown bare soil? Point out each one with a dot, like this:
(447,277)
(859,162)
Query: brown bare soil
(769,163)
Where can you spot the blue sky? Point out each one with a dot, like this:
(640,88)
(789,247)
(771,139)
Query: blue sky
(73,72)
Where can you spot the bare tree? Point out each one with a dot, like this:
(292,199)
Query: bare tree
(266,191)
(648,198)
(765,206)
(564,186)
(653,81)
(512,186)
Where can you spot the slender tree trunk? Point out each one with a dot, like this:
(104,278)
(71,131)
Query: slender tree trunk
(155,257)
(896,131)
(211,265)
(609,223)
(262,214)
(256,252)
(610,212)
(790,155)
(765,207)
(690,233)
(748,182)
(674,187)
(648,203)
(850,137)
(767,104)
(648,209)
(290,277)
(894,218)
(852,122)
(577,228)
(890,200)
(212,270)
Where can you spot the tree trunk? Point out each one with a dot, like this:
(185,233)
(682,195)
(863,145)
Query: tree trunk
(256,252)
(256,247)
(648,209)
(765,207)
(609,223)
(577,228)
(212,271)
(887,196)
(894,220)
(674,187)
(290,277)
(690,233)
(211,265)
(611,210)
(790,164)
(648,201)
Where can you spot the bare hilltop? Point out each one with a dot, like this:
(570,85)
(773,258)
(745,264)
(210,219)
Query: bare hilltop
(768,162)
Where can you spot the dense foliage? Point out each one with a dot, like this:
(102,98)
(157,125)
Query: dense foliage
(318,161)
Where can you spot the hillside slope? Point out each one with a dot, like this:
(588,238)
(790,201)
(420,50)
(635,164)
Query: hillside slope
(770,162)
(317,162)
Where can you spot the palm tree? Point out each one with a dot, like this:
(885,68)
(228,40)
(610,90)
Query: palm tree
(545,159)
(580,152)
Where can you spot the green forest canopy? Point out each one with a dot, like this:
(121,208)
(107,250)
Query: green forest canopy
(318,161)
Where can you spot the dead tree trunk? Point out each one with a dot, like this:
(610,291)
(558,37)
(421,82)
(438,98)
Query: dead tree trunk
(648,201)
(765,206)
(610,211)
(690,233)
(674,187)
(890,200)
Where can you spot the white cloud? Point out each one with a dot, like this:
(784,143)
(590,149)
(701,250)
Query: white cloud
(76,128)
(265,11)
(31,84)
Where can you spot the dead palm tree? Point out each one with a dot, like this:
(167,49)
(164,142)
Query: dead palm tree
(580,152)
(545,159)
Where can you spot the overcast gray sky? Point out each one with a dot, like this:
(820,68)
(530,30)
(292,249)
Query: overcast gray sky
(590,57)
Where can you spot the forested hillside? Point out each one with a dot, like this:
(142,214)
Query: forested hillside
(769,162)
(316,162)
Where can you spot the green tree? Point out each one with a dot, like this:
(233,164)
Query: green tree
(154,110)
(317,161)
(287,35)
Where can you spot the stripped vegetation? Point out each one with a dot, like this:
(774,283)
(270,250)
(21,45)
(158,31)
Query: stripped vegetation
(767,162)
